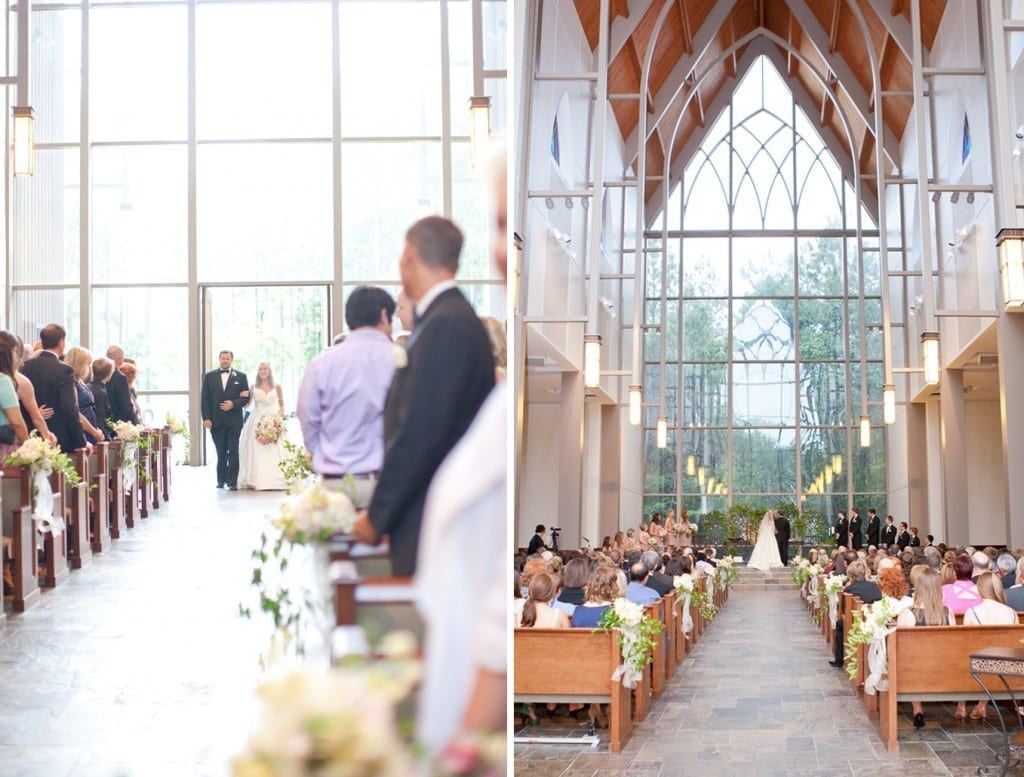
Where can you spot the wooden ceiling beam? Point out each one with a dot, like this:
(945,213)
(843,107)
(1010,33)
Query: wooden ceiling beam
(793,37)
(624,26)
(898,7)
(687,32)
(896,25)
(676,80)
(732,40)
(827,104)
(833,32)
(698,101)
(634,54)
(837,64)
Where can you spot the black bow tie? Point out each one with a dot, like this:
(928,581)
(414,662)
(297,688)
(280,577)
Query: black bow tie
(225,371)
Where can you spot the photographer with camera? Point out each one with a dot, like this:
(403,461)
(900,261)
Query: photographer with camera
(537,543)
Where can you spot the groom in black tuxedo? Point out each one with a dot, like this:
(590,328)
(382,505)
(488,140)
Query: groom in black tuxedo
(434,398)
(782,536)
(225,392)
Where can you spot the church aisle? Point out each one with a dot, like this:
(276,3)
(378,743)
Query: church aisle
(758,697)
(139,665)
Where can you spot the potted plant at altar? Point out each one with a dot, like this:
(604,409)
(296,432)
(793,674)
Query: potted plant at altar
(301,531)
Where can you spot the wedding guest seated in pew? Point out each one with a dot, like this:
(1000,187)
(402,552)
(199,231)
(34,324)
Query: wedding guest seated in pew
(892,584)
(1015,593)
(638,591)
(102,372)
(1006,568)
(865,590)
(927,610)
(657,580)
(13,431)
(80,361)
(33,416)
(991,611)
(982,563)
(537,610)
(574,582)
(962,594)
(606,584)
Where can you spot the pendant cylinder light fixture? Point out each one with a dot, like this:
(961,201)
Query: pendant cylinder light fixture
(865,431)
(691,465)
(479,127)
(1010,246)
(635,405)
(662,432)
(591,361)
(24,157)
(889,403)
(930,357)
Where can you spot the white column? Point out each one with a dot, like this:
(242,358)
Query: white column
(956,518)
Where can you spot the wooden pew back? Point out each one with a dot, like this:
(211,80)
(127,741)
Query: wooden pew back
(16,505)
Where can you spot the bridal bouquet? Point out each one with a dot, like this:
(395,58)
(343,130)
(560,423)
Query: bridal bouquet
(686,586)
(270,428)
(41,455)
(637,634)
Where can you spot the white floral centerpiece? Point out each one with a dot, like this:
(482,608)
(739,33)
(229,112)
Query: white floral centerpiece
(637,634)
(874,624)
(42,458)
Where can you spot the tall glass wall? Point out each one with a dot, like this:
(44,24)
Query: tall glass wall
(770,344)
(294,151)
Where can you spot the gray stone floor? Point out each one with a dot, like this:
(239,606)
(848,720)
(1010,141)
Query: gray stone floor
(139,665)
(757,697)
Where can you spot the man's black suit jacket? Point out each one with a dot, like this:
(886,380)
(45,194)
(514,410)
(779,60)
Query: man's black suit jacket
(903,539)
(660,582)
(782,532)
(873,527)
(855,533)
(119,399)
(54,385)
(889,535)
(842,532)
(431,403)
(213,393)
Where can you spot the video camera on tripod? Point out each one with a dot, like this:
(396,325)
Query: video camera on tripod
(555,531)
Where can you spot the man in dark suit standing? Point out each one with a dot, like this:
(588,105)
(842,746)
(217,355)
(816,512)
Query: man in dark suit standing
(903,538)
(841,531)
(855,522)
(889,532)
(225,391)
(782,529)
(54,384)
(873,527)
(119,398)
(435,397)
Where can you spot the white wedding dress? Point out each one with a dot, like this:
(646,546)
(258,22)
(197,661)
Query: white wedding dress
(766,549)
(258,462)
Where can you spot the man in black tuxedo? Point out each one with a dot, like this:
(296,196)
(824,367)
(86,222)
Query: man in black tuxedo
(855,542)
(54,384)
(435,397)
(225,391)
(119,398)
(782,536)
(889,532)
(873,527)
(841,531)
(903,537)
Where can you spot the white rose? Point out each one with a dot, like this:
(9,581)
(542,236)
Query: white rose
(401,357)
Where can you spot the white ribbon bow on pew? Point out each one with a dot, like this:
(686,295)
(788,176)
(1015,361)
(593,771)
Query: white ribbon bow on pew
(833,607)
(45,520)
(687,617)
(129,466)
(878,662)
(812,596)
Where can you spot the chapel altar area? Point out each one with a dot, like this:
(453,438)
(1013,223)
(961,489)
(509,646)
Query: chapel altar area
(139,665)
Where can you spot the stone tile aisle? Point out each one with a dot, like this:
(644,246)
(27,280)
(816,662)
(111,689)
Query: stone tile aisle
(139,665)
(757,697)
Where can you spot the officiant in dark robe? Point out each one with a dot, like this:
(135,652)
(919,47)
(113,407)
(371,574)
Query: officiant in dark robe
(782,536)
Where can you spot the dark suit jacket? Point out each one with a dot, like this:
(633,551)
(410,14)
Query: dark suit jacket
(865,590)
(54,384)
(431,403)
(903,540)
(873,526)
(855,542)
(782,531)
(213,393)
(99,393)
(660,582)
(1015,597)
(889,535)
(119,399)
(842,532)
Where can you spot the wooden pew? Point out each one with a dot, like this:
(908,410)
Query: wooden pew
(99,497)
(144,482)
(16,503)
(657,611)
(76,499)
(118,507)
(572,665)
(378,604)
(671,611)
(55,549)
(932,663)
(166,462)
(156,441)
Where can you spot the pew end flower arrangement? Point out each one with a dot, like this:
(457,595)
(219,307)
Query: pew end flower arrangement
(871,627)
(834,585)
(637,635)
(686,586)
(308,519)
(133,439)
(727,571)
(296,466)
(178,428)
(41,455)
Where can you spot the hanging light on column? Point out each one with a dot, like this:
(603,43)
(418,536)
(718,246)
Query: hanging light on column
(829,473)
(691,465)
(24,141)
(700,476)
(635,405)
(889,403)
(930,357)
(711,484)
(662,431)
(865,432)
(837,463)
(1010,245)
(591,361)
(479,127)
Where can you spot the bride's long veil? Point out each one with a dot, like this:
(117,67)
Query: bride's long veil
(767,524)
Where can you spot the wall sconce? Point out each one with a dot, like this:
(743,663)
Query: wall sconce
(691,465)
(837,463)
(24,141)
(930,357)
(662,437)
(479,127)
(635,405)
(889,403)
(591,361)
(700,476)
(865,432)
(1010,245)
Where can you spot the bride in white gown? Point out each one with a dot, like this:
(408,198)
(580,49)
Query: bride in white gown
(258,462)
(766,549)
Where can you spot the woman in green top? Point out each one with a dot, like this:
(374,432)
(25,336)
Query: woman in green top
(9,402)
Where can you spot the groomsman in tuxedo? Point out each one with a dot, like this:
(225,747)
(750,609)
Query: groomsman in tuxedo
(873,527)
(855,541)
(119,396)
(435,396)
(842,530)
(54,384)
(782,531)
(889,532)
(903,538)
(225,391)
